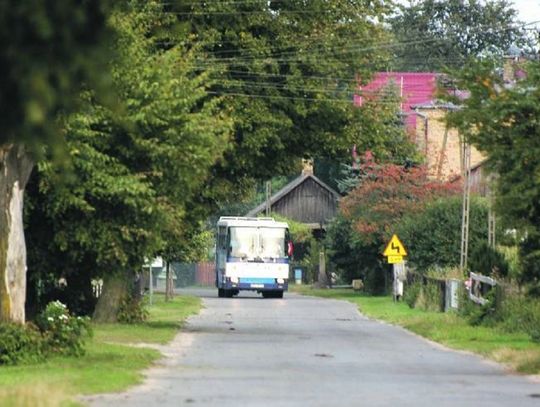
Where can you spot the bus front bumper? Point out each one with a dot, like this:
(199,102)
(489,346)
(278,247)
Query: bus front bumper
(256,285)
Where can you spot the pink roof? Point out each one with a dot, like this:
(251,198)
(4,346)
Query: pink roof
(415,87)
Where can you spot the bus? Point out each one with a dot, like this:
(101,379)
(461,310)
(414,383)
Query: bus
(252,254)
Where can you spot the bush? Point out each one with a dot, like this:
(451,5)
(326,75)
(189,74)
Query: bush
(486,314)
(521,314)
(20,344)
(432,236)
(411,293)
(63,333)
(57,332)
(529,253)
(488,261)
(132,311)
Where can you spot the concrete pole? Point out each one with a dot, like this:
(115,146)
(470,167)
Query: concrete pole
(323,279)
(151,285)
(268,194)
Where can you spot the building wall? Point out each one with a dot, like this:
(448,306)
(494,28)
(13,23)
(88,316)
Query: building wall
(307,203)
(451,157)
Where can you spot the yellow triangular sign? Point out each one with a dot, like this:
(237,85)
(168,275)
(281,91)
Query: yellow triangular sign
(395,248)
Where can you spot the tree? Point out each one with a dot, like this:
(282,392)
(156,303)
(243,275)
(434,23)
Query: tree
(433,235)
(438,34)
(502,122)
(136,169)
(378,128)
(47,50)
(370,213)
(287,73)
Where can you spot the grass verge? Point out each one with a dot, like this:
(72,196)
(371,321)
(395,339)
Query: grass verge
(109,365)
(515,350)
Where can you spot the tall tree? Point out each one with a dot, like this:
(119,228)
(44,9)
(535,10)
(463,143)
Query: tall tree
(502,122)
(136,169)
(287,72)
(368,216)
(47,49)
(439,34)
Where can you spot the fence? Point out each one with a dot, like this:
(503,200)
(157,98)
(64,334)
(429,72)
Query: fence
(445,293)
(184,275)
(439,294)
(205,274)
(479,286)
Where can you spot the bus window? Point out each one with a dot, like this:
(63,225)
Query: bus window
(272,243)
(222,241)
(243,242)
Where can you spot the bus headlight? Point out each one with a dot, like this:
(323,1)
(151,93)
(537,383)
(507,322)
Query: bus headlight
(234,280)
(280,281)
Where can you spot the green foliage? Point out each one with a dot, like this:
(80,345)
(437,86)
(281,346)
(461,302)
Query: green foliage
(430,296)
(444,33)
(137,171)
(487,314)
(372,212)
(529,251)
(62,332)
(300,232)
(520,314)
(20,344)
(111,362)
(57,333)
(132,311)
(352,260)
(432,236)
(488,261)
(501,122)
(287,77)
(411,292)
(424,293)
(48,51)
(511,255)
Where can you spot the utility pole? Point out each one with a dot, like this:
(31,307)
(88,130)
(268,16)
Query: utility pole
(151,286)
(442,154)
(466,175)
(268,194)
(491,213)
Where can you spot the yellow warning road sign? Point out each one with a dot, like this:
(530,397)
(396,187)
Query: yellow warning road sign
(395,248)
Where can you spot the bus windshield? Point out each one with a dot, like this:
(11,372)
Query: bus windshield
(249,243)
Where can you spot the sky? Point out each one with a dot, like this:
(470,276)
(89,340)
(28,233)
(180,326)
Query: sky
(529,10)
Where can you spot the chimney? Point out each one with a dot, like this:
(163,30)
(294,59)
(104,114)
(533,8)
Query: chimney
(307,167)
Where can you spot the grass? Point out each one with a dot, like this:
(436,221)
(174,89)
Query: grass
(516,350)
(164,321)
(109,364)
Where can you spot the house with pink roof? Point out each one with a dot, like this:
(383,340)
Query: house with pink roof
(424,118)
(413,87)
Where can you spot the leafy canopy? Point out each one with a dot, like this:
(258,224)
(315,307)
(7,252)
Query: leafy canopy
(136,170)
(287,74)
(440,34)
(502,122)
(47,51)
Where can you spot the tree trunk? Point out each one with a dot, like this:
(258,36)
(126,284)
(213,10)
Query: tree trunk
(169,286)
(15,169)
(115,289)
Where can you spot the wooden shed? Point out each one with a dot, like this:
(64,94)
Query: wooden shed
(306,199)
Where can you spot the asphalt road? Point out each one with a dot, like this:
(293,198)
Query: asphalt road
(304,351)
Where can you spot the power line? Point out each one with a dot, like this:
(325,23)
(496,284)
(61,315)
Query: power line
(259,96)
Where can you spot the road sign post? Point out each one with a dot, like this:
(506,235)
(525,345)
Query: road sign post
(394,253)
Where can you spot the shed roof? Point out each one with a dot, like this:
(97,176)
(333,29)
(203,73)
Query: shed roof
(290,187)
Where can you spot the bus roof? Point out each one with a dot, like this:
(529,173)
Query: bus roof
(250,222)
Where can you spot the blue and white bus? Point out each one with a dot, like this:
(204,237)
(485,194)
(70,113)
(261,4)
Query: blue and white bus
(252,254)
